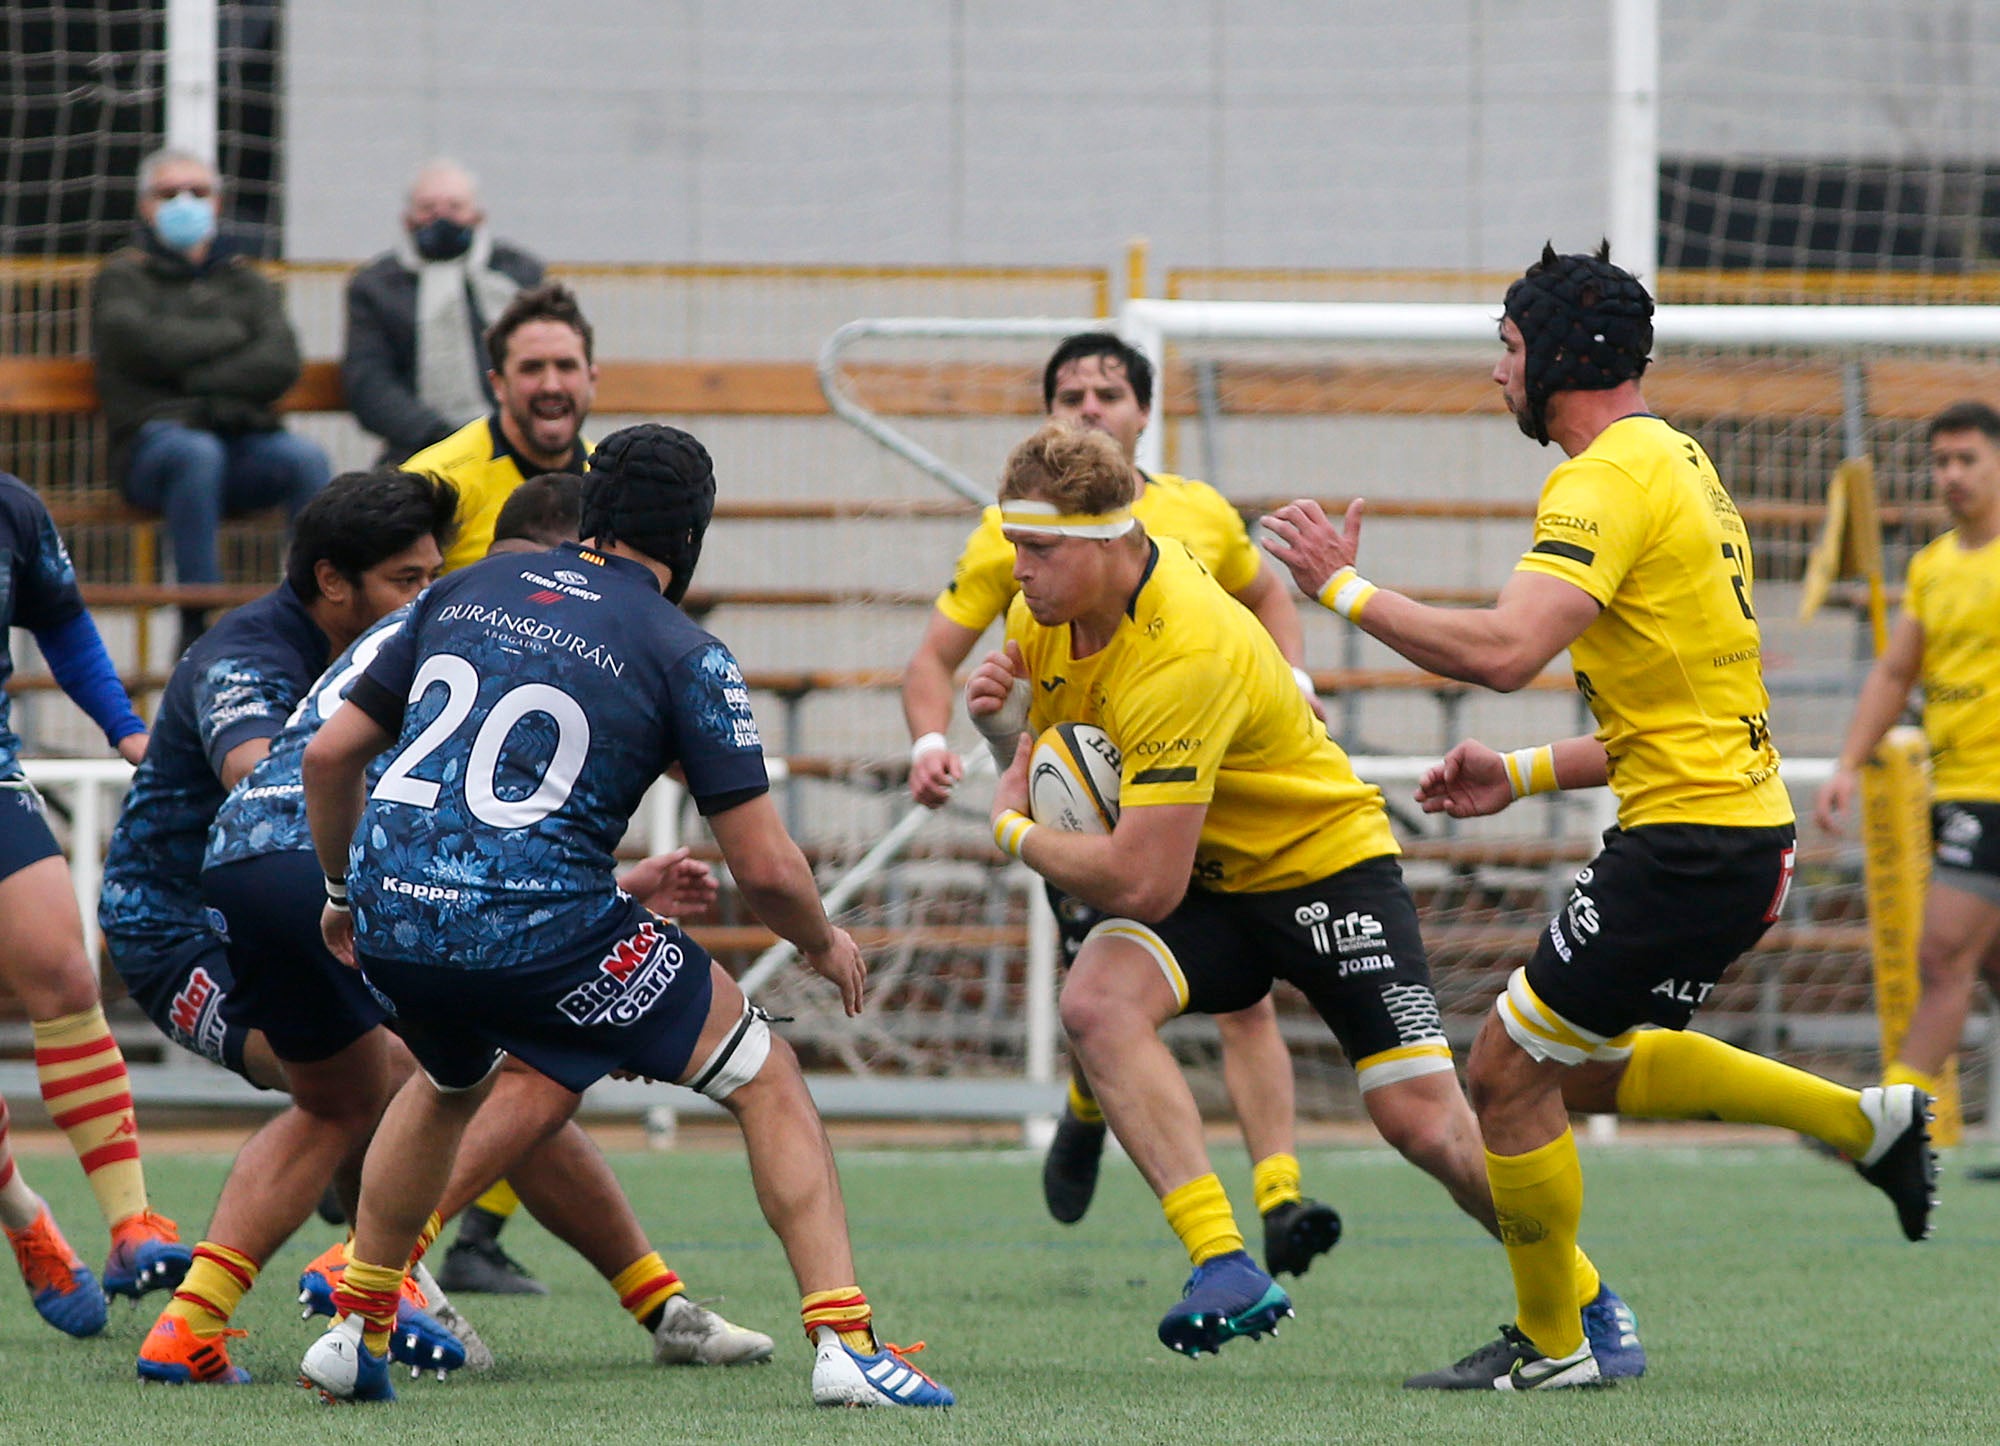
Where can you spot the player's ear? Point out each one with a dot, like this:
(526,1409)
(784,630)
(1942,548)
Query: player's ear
(333,584)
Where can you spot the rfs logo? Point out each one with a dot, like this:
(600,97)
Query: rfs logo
(1582,913)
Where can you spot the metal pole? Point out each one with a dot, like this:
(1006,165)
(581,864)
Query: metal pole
(1634,196)
(192,91)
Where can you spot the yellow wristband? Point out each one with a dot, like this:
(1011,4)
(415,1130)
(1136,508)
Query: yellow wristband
(1347,593)
(1531,770)
(1011,830)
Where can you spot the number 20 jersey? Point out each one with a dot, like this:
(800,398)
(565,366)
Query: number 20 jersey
(1672,667)
(539,697)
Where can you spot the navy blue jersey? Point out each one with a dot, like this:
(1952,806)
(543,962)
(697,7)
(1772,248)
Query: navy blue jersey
(37,589)
(239,682)
(266,812)
(535,699)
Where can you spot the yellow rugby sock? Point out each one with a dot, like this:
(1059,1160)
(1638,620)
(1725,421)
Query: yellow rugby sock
(1083,1104)
(1275,1179)
(499,1200)
(645,1286)
(89,1096)
(1199,1213)
(1588,1281)
(1900,1073)
(1680,1075)
(844,1311)
(214,1286)
(1538,1198)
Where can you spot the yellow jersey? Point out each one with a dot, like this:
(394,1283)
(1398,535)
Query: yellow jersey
(1203,709)
(1954,593)
(1193,512)
(1672,666)
(478,461)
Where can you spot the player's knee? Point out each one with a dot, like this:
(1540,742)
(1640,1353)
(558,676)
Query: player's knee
(1088,1010)
(63,986)
(334,1102)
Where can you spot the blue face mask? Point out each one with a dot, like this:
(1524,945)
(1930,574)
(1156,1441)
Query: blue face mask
(184,222)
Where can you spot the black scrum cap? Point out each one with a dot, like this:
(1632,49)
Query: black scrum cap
(651,487)
(1587,326)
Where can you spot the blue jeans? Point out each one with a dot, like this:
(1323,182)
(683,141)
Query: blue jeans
(195,478)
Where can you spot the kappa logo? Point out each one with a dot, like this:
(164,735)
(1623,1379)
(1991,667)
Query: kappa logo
(631,977)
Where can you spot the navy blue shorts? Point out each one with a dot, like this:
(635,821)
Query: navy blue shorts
(181,987)
(24,828)
(309,1005)
(636,1000)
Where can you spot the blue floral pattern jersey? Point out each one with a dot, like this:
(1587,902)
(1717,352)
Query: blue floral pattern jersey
(540,697)
(266,812)
(238,683)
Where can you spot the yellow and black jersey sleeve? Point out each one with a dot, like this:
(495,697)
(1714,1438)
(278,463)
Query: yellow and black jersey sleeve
(1195,513)
(1590,527)
(1954,594)
(982,584)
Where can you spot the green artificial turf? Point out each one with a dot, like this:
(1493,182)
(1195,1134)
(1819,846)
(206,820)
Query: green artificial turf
(1775,1296)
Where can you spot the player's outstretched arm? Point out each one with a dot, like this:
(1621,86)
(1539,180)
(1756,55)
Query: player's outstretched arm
(1139,870)
(777,883)
(1473,780)
(935,768)
(1883,697)
(333,770)
(1502,647)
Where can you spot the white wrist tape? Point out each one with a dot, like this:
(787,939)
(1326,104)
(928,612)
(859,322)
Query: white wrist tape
(929,743)
(1347,593)
(1531,770)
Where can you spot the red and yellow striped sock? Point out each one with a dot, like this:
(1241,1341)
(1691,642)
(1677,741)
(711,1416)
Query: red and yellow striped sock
(215,1285)
(1275,1179)
(844,1311)
(426,1238)
(645,1286)
(371,1292)
(1082,1103)
(89,1096)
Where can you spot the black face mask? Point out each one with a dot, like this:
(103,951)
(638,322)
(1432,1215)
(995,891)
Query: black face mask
(442,239)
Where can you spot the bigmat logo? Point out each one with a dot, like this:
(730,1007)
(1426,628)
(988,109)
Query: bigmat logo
(631,978)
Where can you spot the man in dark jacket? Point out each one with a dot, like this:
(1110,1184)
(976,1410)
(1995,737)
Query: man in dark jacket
(416,364)
(193,349)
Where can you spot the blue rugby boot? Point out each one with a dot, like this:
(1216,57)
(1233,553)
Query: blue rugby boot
(1224,1298)
(65,1293)
(1613,1333)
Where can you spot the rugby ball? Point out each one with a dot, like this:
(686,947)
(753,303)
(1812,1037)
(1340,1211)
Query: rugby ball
(1073,779)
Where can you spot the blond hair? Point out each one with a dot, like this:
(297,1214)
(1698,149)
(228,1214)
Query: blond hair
(1079,470)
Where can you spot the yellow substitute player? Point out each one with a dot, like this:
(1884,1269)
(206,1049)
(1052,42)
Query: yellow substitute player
(1948,640)
(1640,566)
(544,378)
(1245,851)
(1094,380)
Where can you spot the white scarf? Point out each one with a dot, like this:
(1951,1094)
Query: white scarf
(450,370)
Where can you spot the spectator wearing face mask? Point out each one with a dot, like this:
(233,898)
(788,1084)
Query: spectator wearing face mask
(193,350)
(416,366)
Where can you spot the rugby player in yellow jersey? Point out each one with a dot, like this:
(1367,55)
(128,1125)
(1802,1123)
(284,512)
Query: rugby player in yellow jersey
(1245,851)
(1949,640)
(1094,380)
(1640,566)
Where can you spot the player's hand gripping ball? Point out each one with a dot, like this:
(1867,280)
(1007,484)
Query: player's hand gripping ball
(1073,779)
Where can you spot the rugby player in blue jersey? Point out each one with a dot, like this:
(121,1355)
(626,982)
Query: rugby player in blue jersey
(532,702)
(260,877)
